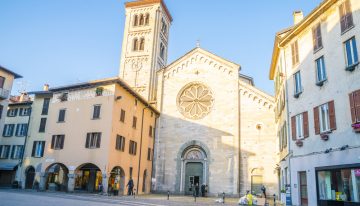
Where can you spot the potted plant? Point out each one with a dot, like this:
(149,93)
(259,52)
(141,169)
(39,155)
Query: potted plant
(299,143)
(99,91)
(325,136)
(356,127)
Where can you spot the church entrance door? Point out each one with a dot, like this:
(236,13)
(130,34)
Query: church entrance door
(193,176)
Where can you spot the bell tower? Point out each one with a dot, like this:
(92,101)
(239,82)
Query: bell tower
(145,45)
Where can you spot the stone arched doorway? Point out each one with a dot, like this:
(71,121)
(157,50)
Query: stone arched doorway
(257,180)
(193,169)
(57,177)
(117,181)
(29,177)
(88,177)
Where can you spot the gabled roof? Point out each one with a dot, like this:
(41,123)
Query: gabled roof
(16,76)
(203,51)
(100,82)
(285,36)
(147,2)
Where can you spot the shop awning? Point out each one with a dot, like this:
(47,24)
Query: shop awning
(8,166)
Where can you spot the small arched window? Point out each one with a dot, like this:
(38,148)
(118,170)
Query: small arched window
(147,19)
(141,23)
(142,44)
(136,19)
(162,51)
(135,44)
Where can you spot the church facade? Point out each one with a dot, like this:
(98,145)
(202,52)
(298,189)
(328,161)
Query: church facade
(215,127)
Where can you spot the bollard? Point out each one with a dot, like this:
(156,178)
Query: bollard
(274,200)
(168,195)
(223,197)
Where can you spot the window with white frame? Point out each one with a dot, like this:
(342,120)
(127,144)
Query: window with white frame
(324,118)
(8,130)
(16,152)
(4,151)
(299,126)
(38,149)
(351,52)
(93,140)
(320,70)
(21,130)
(297,81)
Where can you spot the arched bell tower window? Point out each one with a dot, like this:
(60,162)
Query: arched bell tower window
(141,23)
(142,44)
(135,44)
(136,19)
(147,19)
(162,51)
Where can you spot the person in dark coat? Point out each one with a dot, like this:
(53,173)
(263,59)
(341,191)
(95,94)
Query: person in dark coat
(203,190)
(263,189)
(197,189)
(130,186)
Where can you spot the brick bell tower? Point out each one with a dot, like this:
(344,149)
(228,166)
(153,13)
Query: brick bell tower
(145,45)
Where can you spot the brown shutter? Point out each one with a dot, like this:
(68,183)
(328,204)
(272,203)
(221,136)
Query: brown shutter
(332,115)
(318,36)
(87,142)
(62,140)
(342,17)
(117,142)
(306,124)
(349,19)
(316,120)
(357,105)
(293,128)
(33,149)
(52,142)
(123,144)
(314,37)
(98,140)
(352,106)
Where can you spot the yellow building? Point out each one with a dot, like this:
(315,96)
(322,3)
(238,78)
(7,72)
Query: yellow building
(98,135)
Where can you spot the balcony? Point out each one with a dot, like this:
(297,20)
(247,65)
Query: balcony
(4,93)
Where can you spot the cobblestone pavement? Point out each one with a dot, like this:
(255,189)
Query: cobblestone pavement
(32,198)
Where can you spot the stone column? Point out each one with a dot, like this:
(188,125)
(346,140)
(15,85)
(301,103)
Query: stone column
(71,181)
(43,177)
(105,183)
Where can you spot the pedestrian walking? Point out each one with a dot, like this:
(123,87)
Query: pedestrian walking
(203,190)
(263,189)
(130,186)
(197,189)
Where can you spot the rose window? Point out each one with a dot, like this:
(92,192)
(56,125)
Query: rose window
(195,101)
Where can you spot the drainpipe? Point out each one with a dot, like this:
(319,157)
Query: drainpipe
(239,130)
(25,141)
(141,137)
(153,152)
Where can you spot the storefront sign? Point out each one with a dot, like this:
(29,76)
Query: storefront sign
(357,172)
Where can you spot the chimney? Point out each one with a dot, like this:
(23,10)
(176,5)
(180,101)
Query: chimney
(298,17)
(46,87)
(24,97)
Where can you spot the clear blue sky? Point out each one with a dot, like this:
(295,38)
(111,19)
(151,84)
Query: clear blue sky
(69,41)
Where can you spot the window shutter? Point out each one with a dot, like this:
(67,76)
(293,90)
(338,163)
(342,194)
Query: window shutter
(98,142)
(62,139)
(17,129)
(306,124)
(12,129)
(348,16)
(1,149)
(21,111)
(117,144)
(332,115)
(342,17)
(4,130)
(123,144)
(33,149)
(8,112)
(293,128)
(42,148)
(87,142)
(53,141)
(352,97)
(7,152)
(12,152)
(357,105)
(316,120)
(16,111)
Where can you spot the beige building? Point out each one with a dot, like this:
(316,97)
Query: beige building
(214,123)
(37,135)
(321,80)
(13,139)
(98,135)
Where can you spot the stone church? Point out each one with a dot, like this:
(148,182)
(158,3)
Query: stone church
(216,128)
